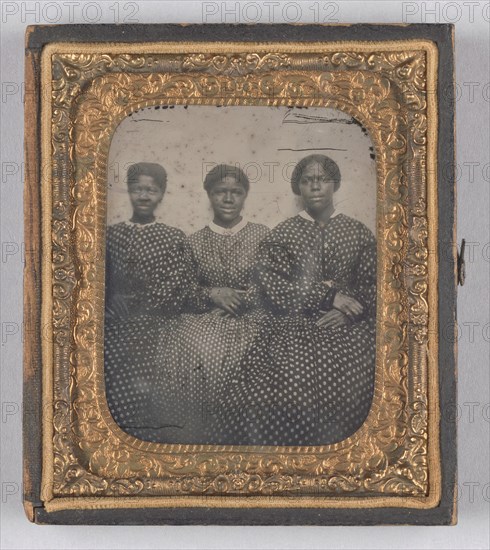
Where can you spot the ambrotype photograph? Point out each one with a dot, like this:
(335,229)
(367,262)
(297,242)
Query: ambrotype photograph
(240,295)
(246,314)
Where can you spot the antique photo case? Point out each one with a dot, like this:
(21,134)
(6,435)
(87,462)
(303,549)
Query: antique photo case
(242,267)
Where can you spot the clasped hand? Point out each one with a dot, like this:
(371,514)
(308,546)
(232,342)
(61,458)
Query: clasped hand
(227,299)
(345,311)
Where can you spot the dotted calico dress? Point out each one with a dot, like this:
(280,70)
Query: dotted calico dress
(203,354)
(146,263)
(300,384)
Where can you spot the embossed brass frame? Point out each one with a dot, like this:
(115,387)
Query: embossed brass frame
(87,90)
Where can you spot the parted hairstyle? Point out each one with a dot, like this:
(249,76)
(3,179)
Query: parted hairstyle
(222,171)
(329,166)
(156,171)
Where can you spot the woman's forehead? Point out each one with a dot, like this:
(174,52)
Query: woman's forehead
(228,181)
(313,167)
(144,178)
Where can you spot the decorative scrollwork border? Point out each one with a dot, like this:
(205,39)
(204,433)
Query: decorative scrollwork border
(390,87)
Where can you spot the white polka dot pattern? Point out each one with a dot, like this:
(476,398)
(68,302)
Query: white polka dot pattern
(202,355)
(147,264)
(300,384)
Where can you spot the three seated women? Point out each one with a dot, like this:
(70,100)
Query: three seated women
(238,334)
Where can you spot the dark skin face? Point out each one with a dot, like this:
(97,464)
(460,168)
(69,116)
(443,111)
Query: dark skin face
(317,191)
(227,198)
(145,196)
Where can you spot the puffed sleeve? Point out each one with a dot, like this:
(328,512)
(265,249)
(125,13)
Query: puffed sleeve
(251,299)
(198,296)
(364,287)
(165,283)
(109,289)
(289,284)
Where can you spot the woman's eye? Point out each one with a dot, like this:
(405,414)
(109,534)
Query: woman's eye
(138,191)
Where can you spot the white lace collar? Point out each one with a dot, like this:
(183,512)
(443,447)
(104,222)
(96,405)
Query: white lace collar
(129,222)
(228,230)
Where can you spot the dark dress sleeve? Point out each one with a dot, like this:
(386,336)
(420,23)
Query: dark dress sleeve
(198,296)
(364,285)
(109,289)
(290,284)
(112,277)
(164,285)
(252,298)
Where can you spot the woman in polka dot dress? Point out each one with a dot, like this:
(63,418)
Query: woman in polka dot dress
(223,319)
(309,377)
(145,286)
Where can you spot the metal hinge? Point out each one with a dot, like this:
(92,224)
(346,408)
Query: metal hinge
(461,264)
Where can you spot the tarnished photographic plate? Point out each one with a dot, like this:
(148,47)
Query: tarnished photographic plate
(241,274)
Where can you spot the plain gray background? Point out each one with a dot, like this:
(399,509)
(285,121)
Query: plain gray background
(266,142)
(472,20)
